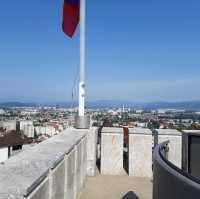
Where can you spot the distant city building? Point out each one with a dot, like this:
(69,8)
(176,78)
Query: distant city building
(2,112)
(45,130)
(139,111)
(29,130)
(11,143)
(24,123)
(162,111)
(9,125)
(141,124)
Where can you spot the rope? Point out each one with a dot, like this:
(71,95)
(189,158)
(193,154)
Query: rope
(74,88)
(74,91)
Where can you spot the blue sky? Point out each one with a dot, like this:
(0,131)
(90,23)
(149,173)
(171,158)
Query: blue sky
(140,50)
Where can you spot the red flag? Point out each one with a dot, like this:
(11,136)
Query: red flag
(71,15)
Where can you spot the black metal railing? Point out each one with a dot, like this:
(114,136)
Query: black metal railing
(170,182)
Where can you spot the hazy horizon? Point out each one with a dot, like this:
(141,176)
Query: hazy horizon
(94,101)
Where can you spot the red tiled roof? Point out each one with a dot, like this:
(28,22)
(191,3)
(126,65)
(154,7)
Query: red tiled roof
(14,139)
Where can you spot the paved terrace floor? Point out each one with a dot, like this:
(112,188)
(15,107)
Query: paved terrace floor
(117,187)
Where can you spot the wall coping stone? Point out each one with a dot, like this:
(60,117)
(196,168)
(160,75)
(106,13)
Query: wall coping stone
(137,130)
(112,130)
(192,132)
(173,132)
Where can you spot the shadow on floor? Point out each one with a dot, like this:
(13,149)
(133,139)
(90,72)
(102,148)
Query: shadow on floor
(98,164)
(130,195)
(125,162)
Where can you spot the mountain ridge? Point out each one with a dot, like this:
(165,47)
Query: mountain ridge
(188,105)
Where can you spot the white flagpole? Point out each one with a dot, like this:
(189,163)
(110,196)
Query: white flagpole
(82,58)
(82,120)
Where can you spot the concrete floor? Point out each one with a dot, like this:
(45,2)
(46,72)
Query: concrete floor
(117,187)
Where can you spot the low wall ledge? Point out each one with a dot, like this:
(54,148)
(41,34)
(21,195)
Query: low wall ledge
(22,173)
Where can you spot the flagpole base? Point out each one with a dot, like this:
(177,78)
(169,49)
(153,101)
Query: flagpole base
(82,122)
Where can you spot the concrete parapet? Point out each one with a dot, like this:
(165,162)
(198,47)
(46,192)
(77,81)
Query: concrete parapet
(70,163)
(112,151)
(42,191)
(92,151)
(92,134)
(41,172)
(175,144)
(84,160)
(57,181)
(78,169)
(140,152)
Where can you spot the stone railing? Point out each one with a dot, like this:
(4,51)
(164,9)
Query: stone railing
(139,150)
(53,169)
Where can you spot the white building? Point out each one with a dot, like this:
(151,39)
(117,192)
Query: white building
(3,154)
(139,111)
(29,130)
(2,112)
(9,125)
(141,124)
(11,144)
(25,123)
(45,130)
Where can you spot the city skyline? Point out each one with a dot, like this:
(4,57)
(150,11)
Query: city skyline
(141,51)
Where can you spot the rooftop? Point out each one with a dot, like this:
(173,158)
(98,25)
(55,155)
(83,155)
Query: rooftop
(13,138)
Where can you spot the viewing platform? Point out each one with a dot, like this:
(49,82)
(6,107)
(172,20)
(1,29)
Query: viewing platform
(89,164)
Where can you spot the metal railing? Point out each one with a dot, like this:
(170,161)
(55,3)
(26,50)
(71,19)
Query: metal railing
(170,182)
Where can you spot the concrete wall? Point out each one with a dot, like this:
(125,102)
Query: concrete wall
(140,152)
(91,141)
(92,151)
(140,149)
(70,175)
(112,151)
(57,181)
(42,191)
(175,144)
(54,169)
(78,169)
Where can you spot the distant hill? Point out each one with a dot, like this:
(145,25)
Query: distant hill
(16,104)
(187,105)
